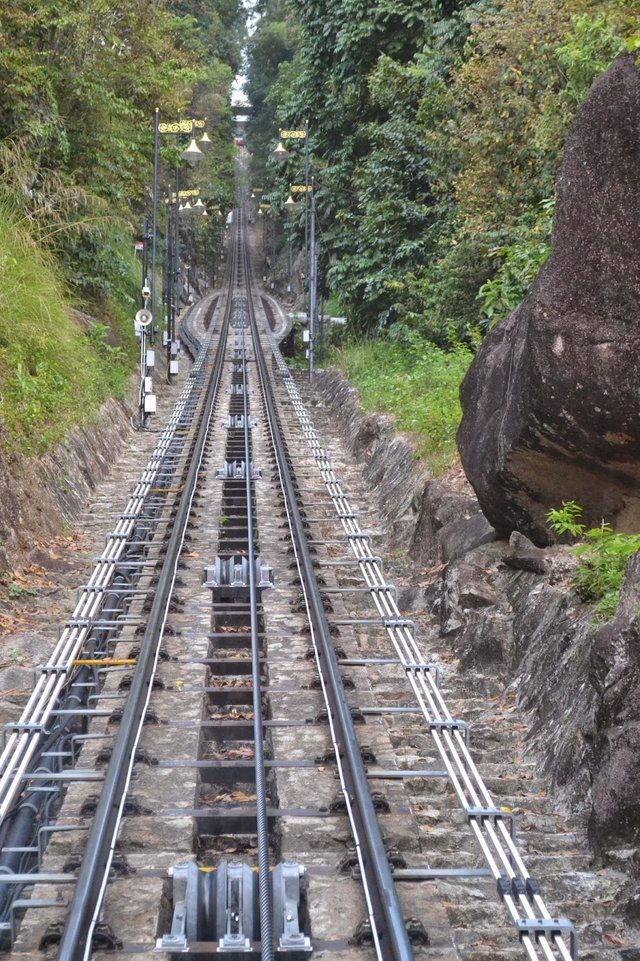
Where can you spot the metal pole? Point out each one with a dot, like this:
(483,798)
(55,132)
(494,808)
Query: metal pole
(145,253)
(176,273)
(154,228)
(166,287)
(313,281)
(307,170)
(289,254)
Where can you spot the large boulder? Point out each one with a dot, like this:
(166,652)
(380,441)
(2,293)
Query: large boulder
(550,403)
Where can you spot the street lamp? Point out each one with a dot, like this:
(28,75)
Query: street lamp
(281,153)
(313,264)
(192,154)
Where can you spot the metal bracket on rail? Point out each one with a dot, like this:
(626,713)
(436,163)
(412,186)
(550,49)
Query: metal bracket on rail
(117,536)
(518,887)
(358,536)
(405,622)
(50,669)
(453,724)
(183,895)
(549,928)
(424,667)
(493,814)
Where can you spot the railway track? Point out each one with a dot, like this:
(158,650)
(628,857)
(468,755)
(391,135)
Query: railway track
(206,763)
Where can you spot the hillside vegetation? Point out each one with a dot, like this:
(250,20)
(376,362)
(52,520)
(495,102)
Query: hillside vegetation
(79,85)
(436,131)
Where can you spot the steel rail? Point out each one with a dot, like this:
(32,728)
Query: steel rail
(388,928)
(487,821)
(23,743)
(75,944)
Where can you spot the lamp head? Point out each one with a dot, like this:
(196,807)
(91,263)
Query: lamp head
(192,154)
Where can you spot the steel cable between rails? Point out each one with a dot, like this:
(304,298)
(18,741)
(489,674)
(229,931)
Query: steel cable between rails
(262,823)
(91,883)
(493,837)
(21,747)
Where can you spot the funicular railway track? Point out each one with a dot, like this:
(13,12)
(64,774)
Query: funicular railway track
(217,715)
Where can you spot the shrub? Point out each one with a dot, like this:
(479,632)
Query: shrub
(415,381)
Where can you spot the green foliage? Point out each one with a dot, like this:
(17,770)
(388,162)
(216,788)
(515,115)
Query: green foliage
(416,382)
(603,558)
(79,86)
(565,519)
(436,133)
(52,373)
(16,591)
(520,263)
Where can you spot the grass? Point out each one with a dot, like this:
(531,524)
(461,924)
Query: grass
(54,371)
(417,384)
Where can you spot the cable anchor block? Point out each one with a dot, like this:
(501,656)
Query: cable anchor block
(233,572)
(236,422)
(237,470)
(289,888)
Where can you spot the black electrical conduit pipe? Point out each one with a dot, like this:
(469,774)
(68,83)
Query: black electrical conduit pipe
(386,910)
(75,943)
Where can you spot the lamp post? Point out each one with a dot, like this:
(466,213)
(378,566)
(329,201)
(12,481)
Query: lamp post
(192,154)
(281,153)
(312,279)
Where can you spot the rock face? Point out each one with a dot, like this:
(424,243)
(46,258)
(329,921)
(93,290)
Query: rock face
(550,402)
(506,611)
(616,677)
